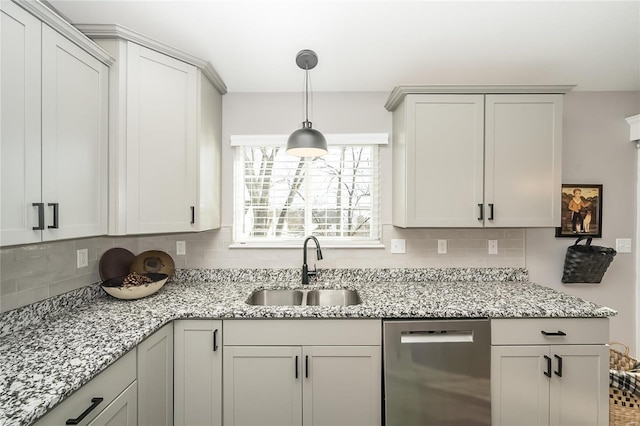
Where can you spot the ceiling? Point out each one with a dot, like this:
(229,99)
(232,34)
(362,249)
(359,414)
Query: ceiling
(367,45)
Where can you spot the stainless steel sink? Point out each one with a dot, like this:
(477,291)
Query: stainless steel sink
(326,297)
(320,297)
(276,297)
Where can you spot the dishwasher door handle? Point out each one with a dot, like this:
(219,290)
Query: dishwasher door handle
(437,336)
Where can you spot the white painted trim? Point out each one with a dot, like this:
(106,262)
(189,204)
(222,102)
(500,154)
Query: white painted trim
(110,31)
(399,92)
(634,128)
(55,21)
(337,139)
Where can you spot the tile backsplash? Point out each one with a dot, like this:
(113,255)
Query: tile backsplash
(35,272)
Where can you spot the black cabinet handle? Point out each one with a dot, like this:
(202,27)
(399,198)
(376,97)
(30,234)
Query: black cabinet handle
(94,403)
(480,207)
(40,207)
(553,333)
(548,372)
(215,340)
(306,366)
(558,372)
(296,366)
(490,211)
(55,215)
(193,215)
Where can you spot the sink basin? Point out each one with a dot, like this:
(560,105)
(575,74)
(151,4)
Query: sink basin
(276,297)
(327,297)
(320,297)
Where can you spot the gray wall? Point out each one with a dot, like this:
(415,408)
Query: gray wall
(596,149)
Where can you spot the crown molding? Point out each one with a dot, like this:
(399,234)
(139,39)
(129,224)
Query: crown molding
(55,21)
(110,31)
(399,92)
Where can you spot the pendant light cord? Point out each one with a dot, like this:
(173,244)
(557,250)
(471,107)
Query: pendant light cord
(306,91)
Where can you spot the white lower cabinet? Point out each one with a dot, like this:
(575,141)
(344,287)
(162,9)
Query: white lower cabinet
(155,378)
(112,392)
(302,372)
(122,411)
(197,372)
(559,378)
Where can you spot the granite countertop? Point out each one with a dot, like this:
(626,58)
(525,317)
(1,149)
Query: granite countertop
(47,359)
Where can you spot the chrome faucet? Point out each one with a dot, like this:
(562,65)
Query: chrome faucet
(305,270)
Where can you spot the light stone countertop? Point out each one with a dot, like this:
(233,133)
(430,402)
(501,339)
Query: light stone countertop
(46,361)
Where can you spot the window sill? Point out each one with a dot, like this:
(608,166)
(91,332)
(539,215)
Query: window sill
(275,245)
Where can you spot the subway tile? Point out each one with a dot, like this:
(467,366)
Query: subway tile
(7,255)
(17,300)
(24,267)
(28,282)
(509,244)
(514,233)
(74,283)
(468,243)
(8,286)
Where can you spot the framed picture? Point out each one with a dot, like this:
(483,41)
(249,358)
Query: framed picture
(581,211)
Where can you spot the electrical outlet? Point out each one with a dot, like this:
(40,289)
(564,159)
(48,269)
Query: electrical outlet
(623,245)
(181,248)
(442,246)
(493,246)
(82,257)
(398,246)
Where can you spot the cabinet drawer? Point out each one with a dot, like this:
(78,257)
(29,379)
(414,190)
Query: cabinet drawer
(318,332)
(107,385)
(560,331)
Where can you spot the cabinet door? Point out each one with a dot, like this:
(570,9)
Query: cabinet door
(262,385)
(155,378)
(20,179)
(121,412)
(519,388)
(161,142)
(579,386)
(74,139)
(197,372)
(523,160)
(341,385)
(444,160)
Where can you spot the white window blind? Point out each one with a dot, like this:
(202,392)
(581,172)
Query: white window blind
(279,199)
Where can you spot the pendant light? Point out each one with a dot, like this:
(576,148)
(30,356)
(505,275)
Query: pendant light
(307,142)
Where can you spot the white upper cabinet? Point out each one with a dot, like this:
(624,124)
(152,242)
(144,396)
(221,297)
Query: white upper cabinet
(54,129)
(523,160)
(470,159)
(165,136)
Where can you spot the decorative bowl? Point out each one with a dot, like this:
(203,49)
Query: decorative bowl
(114,287)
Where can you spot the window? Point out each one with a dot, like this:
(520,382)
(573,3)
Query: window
(280,199)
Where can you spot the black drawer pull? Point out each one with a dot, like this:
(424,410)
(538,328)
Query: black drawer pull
(55,215)
(306,366)
(480,207)
(40,207)
(296,366)
(215,340)
(193,215)
(554,333)
(558,372)
(94,403)
(548,372)
(490,211)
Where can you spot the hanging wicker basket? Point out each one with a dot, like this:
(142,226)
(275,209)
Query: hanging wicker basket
(586,263)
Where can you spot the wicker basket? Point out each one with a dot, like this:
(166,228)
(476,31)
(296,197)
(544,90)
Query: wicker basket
(624,407)
(586,263)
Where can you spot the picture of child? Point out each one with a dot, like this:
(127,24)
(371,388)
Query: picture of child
(581,211)
(575,206)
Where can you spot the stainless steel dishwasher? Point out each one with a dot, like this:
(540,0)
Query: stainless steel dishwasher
(437,372)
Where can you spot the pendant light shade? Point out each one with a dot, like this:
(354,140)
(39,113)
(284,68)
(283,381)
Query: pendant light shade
(307,142)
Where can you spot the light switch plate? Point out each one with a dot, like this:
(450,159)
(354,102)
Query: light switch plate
(493,246)
(398,246)
(181,248)
(623,245)
(442,246)
(82,257)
